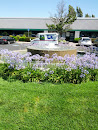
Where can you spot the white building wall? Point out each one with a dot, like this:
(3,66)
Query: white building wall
(77,34)
(45,31)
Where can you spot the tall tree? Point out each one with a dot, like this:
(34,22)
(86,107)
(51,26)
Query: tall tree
(87,15)
(71,17)
(61,20)
(93,16)
(79,12)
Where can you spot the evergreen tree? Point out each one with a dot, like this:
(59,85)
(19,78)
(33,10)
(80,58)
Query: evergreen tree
(93,16)
(71,15)
(87,15)
(79,12)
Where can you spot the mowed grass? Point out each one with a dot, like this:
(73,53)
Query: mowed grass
(35,106)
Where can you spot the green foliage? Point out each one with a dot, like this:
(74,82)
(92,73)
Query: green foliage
(27,39)
(71,15)
(5,33)
(18,37)
(5,72)
(93,16)
(55,75)
(15,38)
(51,27)
(22,38)
(79,12)
(76,39)
(87,15)
(32,38)
(23,35)
(61,19)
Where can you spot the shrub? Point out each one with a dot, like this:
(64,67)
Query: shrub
(23,35)
(76,39)
(5,33)
(15,38)
(32,38)
(27,39)
(22,38)
(18,37)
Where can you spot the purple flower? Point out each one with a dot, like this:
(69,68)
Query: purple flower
(82,75)
(45,74)
(51,72)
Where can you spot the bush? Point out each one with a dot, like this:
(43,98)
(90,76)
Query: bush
(18,37)
(76,40)
(32,38)
(27,39)
(22,38)
(5,33)
(15,38)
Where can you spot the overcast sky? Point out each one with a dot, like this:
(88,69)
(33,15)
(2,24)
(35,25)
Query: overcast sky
(43,8)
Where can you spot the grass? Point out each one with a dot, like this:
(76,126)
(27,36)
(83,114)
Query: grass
(34,106)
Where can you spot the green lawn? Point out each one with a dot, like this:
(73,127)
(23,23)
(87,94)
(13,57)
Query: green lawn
(46,106)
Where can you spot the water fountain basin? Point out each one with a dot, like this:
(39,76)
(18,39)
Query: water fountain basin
(59,49)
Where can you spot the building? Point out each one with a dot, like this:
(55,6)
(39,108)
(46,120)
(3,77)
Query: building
(87,27)
(81,27)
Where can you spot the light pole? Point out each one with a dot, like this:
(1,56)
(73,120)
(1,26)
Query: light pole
(28,32)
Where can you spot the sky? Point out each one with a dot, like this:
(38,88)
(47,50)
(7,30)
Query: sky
(43,8)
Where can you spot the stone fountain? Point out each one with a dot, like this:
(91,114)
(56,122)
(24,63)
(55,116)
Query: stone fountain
(50,46)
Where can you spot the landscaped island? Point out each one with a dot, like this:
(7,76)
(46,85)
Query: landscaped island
(56,69)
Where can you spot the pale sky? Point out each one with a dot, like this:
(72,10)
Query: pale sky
(43,8)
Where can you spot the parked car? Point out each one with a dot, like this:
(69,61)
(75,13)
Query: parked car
(85,41)
(6,40)
(95,42)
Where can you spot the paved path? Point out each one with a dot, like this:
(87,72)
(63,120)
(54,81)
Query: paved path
(18,46)
(15,46)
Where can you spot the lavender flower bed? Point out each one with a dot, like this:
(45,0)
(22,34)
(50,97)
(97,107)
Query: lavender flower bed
(56,69)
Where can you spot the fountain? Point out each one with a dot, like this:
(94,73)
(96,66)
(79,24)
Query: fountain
(47,43)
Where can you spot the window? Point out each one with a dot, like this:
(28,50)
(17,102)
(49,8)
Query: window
(42,37)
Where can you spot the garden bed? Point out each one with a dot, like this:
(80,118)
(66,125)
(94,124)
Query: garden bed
(57,69)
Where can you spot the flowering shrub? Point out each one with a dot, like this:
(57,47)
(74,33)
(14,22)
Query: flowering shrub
(57,69)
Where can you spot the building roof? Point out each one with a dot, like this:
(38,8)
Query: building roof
(85,24)
(24,23)
(40,23)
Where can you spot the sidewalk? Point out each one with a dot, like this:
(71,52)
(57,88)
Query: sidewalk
(22,42)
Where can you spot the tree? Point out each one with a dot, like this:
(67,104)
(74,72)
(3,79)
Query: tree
(79,12)
(87,15)
(93,16)
(61,20)
(5,33)
(71,17)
